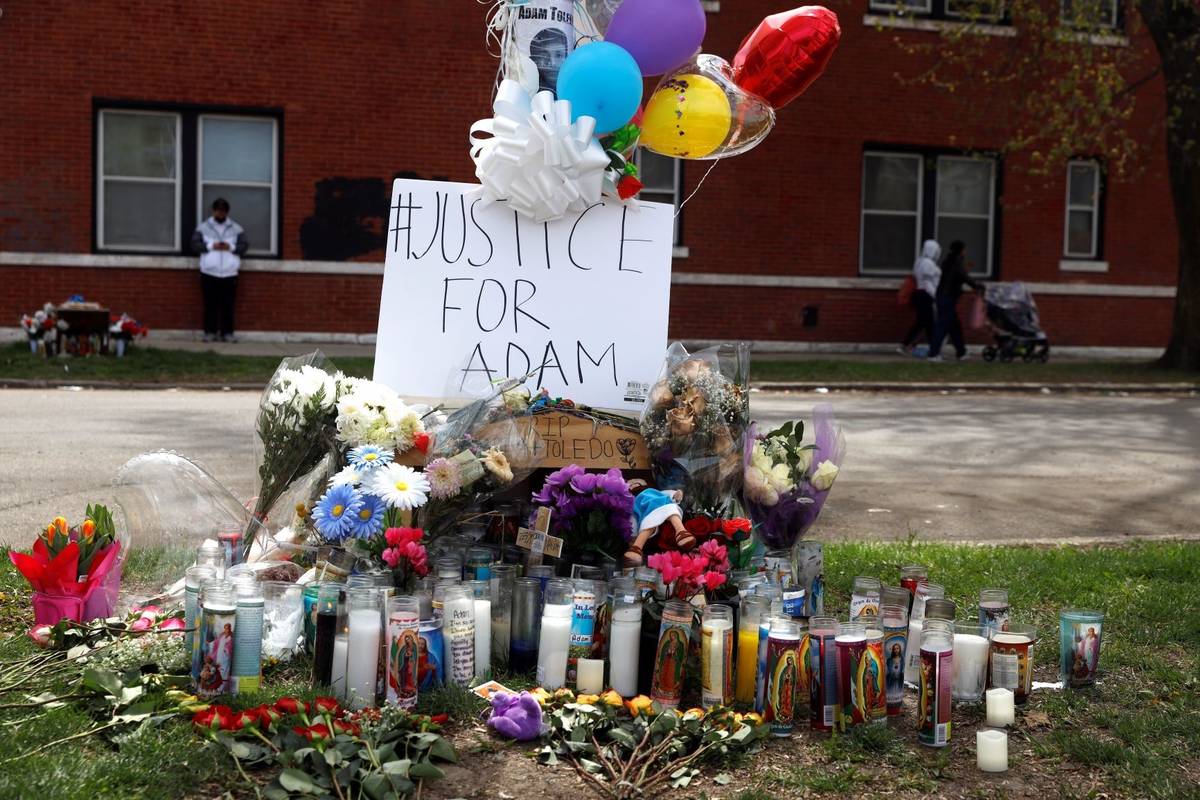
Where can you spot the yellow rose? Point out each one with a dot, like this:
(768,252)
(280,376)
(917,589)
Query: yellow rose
(639,705)
(611,698)
(541,695)
(693,713)
(824,476)
(752,718)
(564,696)
(587,699)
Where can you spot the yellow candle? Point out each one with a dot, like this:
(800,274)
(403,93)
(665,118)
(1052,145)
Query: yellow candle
(747,664)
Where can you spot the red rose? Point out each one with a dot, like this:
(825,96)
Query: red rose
(326,705)
(213,718)
(732,527)
(267,716)
(628,186)
(289,705)
(421,442)
(346,727)
(699,526)
(314,733)
(242,719)
(439,718)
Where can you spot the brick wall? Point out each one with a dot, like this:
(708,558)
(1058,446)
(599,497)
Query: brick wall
(370,88)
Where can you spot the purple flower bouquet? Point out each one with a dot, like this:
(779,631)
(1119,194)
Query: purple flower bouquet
(592,511)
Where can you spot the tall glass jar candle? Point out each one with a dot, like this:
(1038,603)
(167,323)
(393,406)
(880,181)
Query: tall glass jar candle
(364,617)
(993,609)
(865,597)
(874,670)
(555,636)
(283,619)
(935,693)
(481,591)
(894,596)
(808,572)
(1011,654)
(753,608)
(448,566)
(248,641)
(624,642)
(823,673)
(916,618)
(526,625)
(716,656)
(774,593)
(940,608)
(783,675)
(458,615)
(583,622)
(431,666)
(213,667)
(1079,646)
(970,662)
(911,576)
(211,554)
(478,564)
(193,579)
(503,578)
(895,646)
(341,646)
(853,705)
(403,650)
(670,658)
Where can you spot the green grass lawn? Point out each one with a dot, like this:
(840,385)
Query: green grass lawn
(1136,734)
(153,365)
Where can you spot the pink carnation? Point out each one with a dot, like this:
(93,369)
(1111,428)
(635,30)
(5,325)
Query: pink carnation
(142,624)
(391,556)
(712,580)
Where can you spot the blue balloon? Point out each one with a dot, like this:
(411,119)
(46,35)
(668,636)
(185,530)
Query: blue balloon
(603,81)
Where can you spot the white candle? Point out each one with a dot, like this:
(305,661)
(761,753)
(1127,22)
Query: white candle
(553,645)
(483,637)
(1000,708)
(912,658)
(501,631)
(338,679)
(624,646)
(459,614)
(590,678)
(970,667)
(717,638)
(991,750)
(362,656)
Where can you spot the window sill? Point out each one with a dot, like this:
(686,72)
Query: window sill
(1112,39)
(1081,265)
(679,251)
(935,25)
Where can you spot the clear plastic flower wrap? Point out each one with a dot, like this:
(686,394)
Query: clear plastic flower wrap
(694,422)
(169,505)
(786,481)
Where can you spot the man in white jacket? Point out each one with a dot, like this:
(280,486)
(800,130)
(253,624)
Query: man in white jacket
(926,274)
(220,243)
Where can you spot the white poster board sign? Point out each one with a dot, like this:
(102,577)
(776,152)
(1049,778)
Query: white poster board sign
(474,292)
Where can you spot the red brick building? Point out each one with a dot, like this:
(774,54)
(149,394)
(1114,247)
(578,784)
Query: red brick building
(310,109)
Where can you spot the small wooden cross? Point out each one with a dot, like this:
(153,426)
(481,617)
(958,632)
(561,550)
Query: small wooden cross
(537,541)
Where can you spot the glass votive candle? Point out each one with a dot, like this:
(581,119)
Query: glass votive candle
(970,662)
(1012,660)
(1079,646)
(991,750)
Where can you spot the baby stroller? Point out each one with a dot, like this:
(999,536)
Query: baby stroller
(1013,317)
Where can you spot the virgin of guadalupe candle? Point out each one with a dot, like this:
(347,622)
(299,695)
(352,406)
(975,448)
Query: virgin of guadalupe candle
(625,640)
(670,657)
(404,648)
(753,608)
(808,572)
(555,639)
(871,670)
(365,619)
(583,624)
(864,597)
(934,690)
(218,620)
(993,610)
(459,615)
(823,673)
(783,675)
(431,650)
(1079,646)
(854,703)
(194,578)
(895,643)
(970,662)
(1012,660)
(716,656)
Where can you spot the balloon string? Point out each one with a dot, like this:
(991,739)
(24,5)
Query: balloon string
(698,185)
(498,39)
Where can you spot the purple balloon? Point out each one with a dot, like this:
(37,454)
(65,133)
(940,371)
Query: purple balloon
(659,34)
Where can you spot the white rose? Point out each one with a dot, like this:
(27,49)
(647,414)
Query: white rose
(824,477)
(805,461)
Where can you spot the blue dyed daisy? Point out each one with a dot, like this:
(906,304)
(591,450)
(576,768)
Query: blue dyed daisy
(368,520)
(368,456)
(336,512)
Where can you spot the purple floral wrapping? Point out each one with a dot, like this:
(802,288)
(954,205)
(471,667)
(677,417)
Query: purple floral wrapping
(574,494)
(780,525)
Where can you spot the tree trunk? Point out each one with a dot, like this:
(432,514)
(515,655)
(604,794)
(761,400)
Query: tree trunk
(1174,26)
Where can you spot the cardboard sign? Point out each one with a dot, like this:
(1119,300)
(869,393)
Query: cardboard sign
(475,292)
(565,438)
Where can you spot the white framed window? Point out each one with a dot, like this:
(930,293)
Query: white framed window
(1081,228)
(892,197)
(661,179)
(236,160)
(1091,14)
(902,7)
(138,181)
(966,207)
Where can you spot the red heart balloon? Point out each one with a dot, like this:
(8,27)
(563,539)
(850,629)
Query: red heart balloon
(786,53)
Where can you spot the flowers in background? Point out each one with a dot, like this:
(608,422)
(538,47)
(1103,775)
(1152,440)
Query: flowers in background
(334,514)
(591,511)
(399,486)
(303,387)
(347,476)
(40,322)
(369,413)
(126,327)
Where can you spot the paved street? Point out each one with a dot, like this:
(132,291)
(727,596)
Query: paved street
(960,467)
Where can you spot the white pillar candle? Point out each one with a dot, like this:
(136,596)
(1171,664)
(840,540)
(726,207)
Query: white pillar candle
(1000,708)
(483,637)
(912,658)
(716,637)
(459,615)
(338,673)
(991,750)
(553,644)
(362,656)
(970,667)
(590,679)
(624,646)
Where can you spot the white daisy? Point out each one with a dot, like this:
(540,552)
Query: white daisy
(348,476)
(400,486)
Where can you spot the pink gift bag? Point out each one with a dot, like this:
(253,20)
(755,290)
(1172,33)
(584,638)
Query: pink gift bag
(98,603)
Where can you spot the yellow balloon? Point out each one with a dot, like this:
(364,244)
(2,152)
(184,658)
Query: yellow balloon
(687,117)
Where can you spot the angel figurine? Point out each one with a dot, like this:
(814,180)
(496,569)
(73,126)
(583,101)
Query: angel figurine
(656,515)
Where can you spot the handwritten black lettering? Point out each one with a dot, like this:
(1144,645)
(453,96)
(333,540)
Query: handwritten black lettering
(446,295)
(518,302)
(508,361)
(491,247)
(437,208)
(571,238)
(478,351)
(479,305)
(581,353)
(621,251)
(547,363)
(407,228)
(462,244)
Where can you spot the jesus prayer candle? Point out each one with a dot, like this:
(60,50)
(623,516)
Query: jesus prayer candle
(895,645)
(403,650)
(853,706)
(716,656)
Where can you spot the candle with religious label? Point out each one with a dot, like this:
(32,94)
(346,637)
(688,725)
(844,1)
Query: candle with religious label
(808,572)
(211,672)
(193,579)
(991,751)
(247,643)
(555,639)
(870,677)
(365,618)
(853,696)
(1012,660)
(804,666)
(753,607)
(526,625)
(764,630)
(403,650)
(458,615)
(936,681)
(911,576)
(895,645)
(590,676)
(864,597)
(823,673)
(1000,710)
(716,656)
(431,668)
(993,610)
(670,657)
(625,641)
(970,662)
(503,582)
(1079,646)
(583,623)
(916,620)
(783,675)
(481,592)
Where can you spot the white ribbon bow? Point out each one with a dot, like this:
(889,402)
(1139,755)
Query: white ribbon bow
(543,164)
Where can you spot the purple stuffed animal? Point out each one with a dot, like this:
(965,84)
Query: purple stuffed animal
(516,716)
